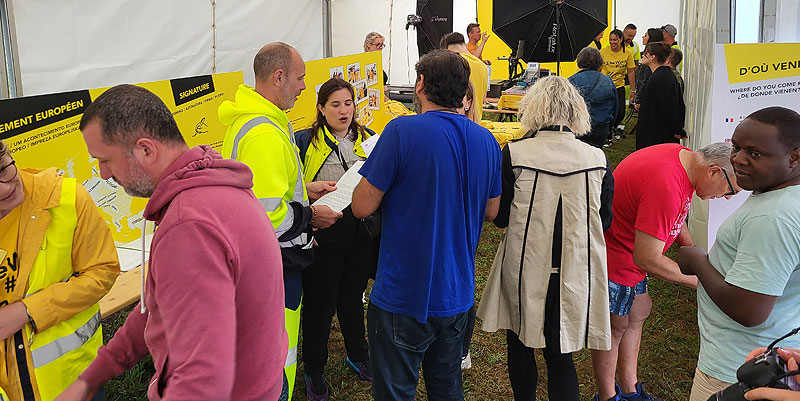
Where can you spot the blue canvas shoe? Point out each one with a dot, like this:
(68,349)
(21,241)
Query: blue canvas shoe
(639,395)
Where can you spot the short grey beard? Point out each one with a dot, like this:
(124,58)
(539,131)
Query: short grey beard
(141,185)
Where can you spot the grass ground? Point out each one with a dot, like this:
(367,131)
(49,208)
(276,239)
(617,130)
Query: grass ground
(667,359)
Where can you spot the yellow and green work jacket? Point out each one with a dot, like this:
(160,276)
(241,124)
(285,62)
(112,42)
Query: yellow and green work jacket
(260,135)
(314,153)
(67,259)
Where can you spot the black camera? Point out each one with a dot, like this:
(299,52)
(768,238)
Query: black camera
(765,370)
(413,20)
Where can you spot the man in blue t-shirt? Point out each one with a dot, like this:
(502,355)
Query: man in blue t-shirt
(749,283)
(438,176)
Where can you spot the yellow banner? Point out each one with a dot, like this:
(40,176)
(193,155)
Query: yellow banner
(364,71)
(42,131)
(760,61)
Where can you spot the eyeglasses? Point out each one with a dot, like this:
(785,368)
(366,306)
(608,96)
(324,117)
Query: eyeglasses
(8,173)
(378,45)
(728,180)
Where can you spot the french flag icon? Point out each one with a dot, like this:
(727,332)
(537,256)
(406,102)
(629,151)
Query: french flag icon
(728,120)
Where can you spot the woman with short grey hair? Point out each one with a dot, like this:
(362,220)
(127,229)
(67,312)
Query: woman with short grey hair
(599,93)
(548,287)
(375,42)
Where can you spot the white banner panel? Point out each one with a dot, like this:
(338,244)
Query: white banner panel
(748,77)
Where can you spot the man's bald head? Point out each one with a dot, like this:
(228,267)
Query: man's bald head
(280,73)
(272,57)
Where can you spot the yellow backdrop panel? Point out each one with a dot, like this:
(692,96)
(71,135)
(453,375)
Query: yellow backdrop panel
(363,70)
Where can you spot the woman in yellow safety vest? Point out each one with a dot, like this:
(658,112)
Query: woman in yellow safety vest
(58,260)
(346,254)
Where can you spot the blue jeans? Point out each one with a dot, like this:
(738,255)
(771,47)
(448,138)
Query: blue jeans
(621,297)
(100,395)
(399,344)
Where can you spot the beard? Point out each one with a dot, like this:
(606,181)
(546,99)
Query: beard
(417,104)
(141,185)
(287,98)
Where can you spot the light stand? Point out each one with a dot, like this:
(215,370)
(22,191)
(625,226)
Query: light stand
(558,4)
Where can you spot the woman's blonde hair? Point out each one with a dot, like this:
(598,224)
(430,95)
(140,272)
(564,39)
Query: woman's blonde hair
(370,37)
(554,101)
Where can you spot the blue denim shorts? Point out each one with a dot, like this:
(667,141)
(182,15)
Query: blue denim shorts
(620,297)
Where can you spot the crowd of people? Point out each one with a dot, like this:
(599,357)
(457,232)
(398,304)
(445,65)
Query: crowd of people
(660,106)
(241,255)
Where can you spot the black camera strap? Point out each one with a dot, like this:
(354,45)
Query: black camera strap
(789,334)
(335,148)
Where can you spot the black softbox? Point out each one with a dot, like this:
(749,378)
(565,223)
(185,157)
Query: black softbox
(553,30)
(437,20)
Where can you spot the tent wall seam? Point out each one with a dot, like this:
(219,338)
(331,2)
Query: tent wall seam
(12,83)
(213,36)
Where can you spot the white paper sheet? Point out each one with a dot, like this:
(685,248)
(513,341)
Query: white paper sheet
(130,253)
(369,144)
(129,259)
(339,199)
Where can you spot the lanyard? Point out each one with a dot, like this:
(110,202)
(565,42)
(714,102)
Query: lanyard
(335,148)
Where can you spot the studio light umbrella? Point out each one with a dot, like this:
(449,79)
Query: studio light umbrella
(549,27)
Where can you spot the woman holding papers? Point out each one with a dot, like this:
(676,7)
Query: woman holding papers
(344,258)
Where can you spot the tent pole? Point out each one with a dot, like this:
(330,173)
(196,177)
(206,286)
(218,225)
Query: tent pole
(327,29)
(12,84)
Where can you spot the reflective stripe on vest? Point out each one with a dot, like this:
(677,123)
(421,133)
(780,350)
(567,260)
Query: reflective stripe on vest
(56,349)
(63,351)
(271,204)
(292,317)
(291,357)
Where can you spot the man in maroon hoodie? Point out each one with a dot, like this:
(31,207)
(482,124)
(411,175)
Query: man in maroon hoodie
(211,313)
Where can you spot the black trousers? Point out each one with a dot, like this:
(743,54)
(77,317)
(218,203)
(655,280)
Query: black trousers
(598,135)
(468,332)
(335,283)
(562,380)
(620,107)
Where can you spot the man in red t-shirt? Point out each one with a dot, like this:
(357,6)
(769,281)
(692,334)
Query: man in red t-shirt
(652,194)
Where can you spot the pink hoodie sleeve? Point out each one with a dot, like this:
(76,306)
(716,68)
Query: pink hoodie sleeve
(122,352)
(195,297)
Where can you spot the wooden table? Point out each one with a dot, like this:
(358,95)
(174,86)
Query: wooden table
(124,293)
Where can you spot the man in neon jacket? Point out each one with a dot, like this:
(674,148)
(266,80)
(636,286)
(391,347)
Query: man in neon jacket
(261,136)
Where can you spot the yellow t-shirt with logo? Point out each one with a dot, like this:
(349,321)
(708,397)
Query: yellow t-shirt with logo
(616,64)
(9,269)
(479,76)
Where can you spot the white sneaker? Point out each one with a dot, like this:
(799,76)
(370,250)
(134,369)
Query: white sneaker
(466,362)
